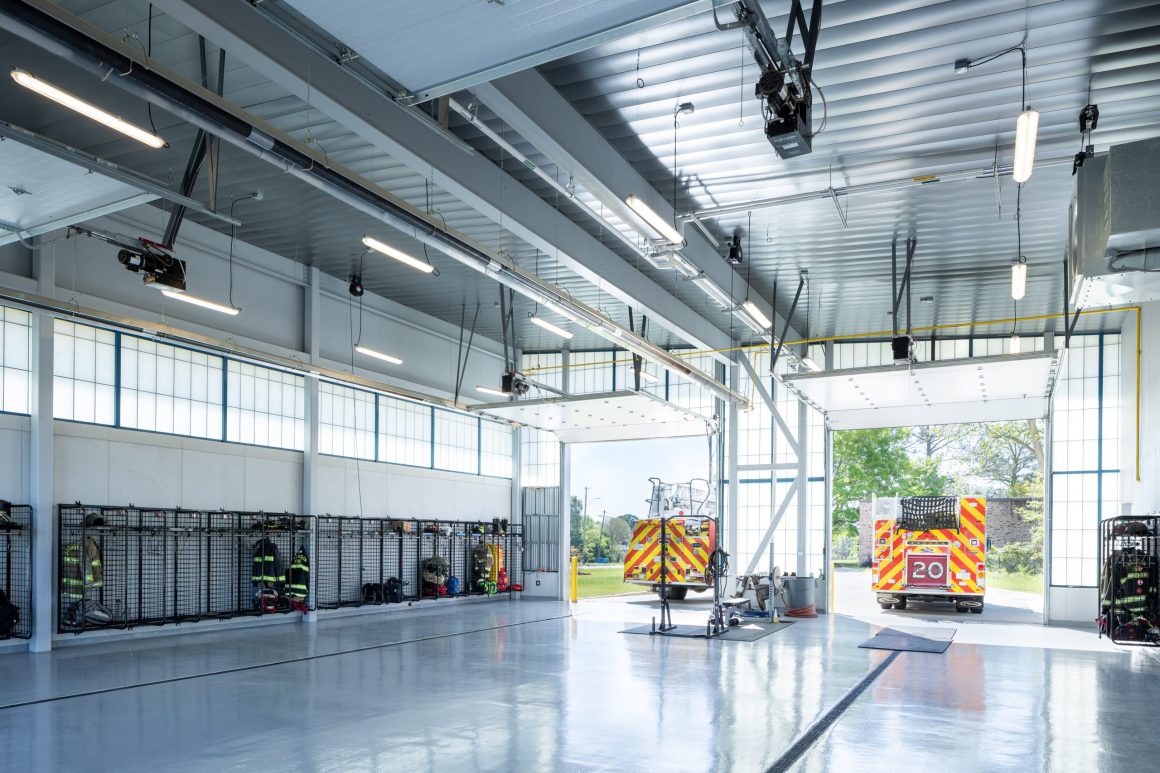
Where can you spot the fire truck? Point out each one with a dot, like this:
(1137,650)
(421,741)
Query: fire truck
(930,549)
(679,534)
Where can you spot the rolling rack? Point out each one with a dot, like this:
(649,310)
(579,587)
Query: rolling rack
(122,567)
(1130,580)
(16,566)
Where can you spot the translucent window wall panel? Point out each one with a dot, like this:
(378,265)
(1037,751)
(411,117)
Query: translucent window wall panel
(346,421)
(545,368)
(862,354)
(170,389)
(590,372)
(816,520)
(785,537)
(265,407)
(753,514)
(495,449)
(456,442)
(1085,456)
(404,432)
(84,373)
(688,394)
(539,458)
(15,360)
(954,349)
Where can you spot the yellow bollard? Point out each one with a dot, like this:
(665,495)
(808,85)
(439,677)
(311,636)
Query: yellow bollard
(575,573)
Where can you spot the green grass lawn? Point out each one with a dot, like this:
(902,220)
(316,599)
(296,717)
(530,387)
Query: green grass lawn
(1017,581)
(604,581)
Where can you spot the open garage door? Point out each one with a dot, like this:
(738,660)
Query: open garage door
(604,416)
(982,389)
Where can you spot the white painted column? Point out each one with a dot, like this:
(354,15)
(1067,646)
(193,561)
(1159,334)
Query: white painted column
(310,335)
(565,573)
(732,540)
(803,497)
(44,536)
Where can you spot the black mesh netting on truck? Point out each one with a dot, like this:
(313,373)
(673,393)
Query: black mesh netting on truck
(928,513)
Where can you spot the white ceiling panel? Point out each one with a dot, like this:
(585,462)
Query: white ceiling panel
(40,193)
(602,417)
(1002,388)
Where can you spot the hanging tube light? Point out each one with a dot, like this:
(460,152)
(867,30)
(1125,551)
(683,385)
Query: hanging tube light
(1026,130)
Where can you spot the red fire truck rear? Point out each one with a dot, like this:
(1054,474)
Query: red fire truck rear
(930,549)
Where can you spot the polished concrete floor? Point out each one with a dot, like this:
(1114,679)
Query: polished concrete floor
(524,685)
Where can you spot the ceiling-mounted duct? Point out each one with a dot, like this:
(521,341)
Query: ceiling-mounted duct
(1115,241)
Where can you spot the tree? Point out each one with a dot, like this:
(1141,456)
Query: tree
(618,531)
(576,509)
(1010,455)
(875,462)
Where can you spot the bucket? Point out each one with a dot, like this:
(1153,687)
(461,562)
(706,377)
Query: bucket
(800,592)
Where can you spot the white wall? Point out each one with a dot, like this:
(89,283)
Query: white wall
(14,459)
(1073,606)
(396,491)
(105,466)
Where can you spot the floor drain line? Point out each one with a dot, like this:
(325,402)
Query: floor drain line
(273,663)
(820,725)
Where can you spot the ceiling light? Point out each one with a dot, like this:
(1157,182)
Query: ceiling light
(193,299)
(757,314)
(650,378)
(374,244)
(378,355)
(31,82)
(1016,346)
(710,288)
(809,364)
(1026,129)
(1018,279)
(655,221)
(491,391)
(962,65)
(546,325)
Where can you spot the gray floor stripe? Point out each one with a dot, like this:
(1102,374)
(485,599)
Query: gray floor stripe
(820,725)
(273,663)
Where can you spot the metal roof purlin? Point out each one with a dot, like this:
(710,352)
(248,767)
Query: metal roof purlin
(538,112)
(471,178)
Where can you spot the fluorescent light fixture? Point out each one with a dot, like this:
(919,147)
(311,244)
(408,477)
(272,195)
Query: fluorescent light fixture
(546,325)
(710,288)
(193,299)
(650,378)
(1026,129)
(372,243)
(378,355)
(655,221)
(757,314)
(1018,280)
(491,391)
(809,364)
(1016,346)
(31,82)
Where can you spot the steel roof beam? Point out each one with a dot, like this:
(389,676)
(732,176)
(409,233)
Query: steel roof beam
(535,110)
(269,48)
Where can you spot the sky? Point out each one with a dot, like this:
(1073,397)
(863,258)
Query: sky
(617,473)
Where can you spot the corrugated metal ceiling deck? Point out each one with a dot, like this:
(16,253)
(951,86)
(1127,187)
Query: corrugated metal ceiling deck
(895,110)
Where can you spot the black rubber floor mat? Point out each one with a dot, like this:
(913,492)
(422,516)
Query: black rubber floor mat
(926,639)
(747,631)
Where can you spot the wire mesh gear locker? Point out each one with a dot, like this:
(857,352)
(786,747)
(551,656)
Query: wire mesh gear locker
(120,567)
(16,570)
